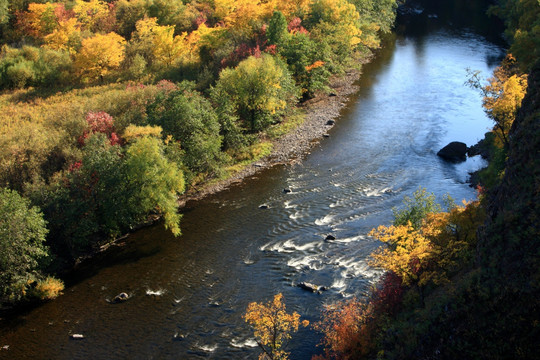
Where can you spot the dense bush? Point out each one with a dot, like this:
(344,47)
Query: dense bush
(22,250)
(109,190)
(32,66)
(260,90)
(191,120)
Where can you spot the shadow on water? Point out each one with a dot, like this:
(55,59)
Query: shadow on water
(423,17)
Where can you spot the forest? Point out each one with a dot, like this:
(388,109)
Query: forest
(112,109)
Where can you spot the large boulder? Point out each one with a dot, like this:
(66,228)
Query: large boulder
(455,152)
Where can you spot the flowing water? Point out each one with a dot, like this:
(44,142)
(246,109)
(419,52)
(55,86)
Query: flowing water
(188,294)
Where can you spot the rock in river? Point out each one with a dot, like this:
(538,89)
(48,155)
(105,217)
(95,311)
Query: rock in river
(311,287)
(120,298)
(455,152)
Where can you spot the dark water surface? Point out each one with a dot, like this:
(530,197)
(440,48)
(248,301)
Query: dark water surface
(189,293)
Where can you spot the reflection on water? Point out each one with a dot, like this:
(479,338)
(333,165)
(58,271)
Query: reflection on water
(187,294)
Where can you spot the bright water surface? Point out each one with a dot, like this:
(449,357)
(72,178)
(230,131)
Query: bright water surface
(189,293)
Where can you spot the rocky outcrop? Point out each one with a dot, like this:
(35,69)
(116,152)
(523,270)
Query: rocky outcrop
(454,152)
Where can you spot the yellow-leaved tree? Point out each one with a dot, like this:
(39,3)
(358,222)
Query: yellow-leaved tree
(240,14)
(289,8)
(158,45)
(203,37)
(92,15)
(503,100)
(406,254)
(430,253)
(273,327)
(99,56)
(337,18)
(133,132)
(502,95)
(67,36)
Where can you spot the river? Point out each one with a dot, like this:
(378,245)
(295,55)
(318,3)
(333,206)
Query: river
(188,294)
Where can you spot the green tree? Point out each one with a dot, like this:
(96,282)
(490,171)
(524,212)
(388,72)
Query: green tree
(155,182)
(128,12)
(307,60)
(522,18)
(177,13)
(234,137)
(260,88)
(416,209)
(336,23)
(89,201)
(277,29)
(191,120)
(4,11)
(22,236)
(33,66)
(109,191)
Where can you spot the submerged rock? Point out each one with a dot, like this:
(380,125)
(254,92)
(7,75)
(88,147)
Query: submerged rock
(178,337)
(287,190)
(311,287)
(263,207)
(330,237)
(120,298)
(455,152)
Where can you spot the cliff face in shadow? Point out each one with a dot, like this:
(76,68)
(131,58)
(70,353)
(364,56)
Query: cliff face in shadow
(509,245)
(490,311)
(512,232)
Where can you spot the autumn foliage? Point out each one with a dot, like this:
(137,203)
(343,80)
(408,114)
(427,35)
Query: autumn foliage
(346,327)
(416,261)
(273,327)
(112,109)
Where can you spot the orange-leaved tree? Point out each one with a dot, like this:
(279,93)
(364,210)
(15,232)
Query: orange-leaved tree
(273,327)
(347,329)
(39,20)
